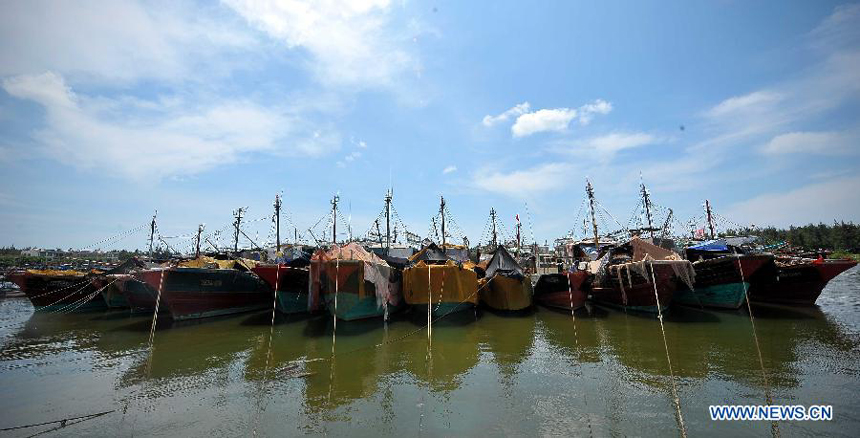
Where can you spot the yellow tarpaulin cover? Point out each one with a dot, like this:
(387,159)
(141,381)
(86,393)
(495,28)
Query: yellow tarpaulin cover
(449,283)
(56,273)
(210,262)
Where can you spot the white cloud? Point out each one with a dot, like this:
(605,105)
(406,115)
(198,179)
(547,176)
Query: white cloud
(587,111)
(362,144)
(543,120)
(118,41)
(520,108)
(352,156)
(825,201)
(449,169)
(611,143)
(755,102)
(522,183)
(810,142)
(170,139)
(350,43)
(604,147)
(556,119)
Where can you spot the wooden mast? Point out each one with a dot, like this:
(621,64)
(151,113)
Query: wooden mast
(199,232)
(278,222)
(442,213)
(493,217)
(388,197)
(646,202)
(589,190)
(334,219)
(237,224)
(152,233)
(710,218)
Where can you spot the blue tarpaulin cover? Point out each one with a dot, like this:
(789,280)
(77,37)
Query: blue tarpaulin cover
(711,245)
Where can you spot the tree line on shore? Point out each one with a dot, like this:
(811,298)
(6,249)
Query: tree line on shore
(841,236)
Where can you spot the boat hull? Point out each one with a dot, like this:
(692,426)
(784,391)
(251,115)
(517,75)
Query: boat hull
(292,286)
(58,292)
(798,284)
(504,293)
(561,291)
(192,293)
(140,296)
(722,282)
(451,288)
(112,294)
(631,291)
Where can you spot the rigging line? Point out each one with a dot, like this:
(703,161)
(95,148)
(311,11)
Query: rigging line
(120,235)
(334,331)
(774,427)
(576,344)
(268,350)
(154,322)
(27,426)
(91,296)
(677,401)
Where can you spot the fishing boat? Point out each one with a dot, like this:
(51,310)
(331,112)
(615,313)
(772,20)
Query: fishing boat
(141,296)
(290,282)
(206,287)
(796,281)
(107,283)
(352,283)
(723,275)
(638,276)
(505,285)
(59,290)
(436,279)
(562,290)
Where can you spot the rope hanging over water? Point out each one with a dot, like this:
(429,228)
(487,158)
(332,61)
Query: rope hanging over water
(677,400)
(774,427)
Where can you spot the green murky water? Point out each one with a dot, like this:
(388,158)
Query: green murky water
(482,374)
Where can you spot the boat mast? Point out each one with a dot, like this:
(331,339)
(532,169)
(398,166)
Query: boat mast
(199,232)
(666,224)
(334,219)
(237,224)
(152,233)
(646,202)
(589,190)
(710,218)
(519,227)
(442,213)
(493,216)
(388,197)
(278,222)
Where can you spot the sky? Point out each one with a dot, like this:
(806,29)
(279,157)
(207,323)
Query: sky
(113,110)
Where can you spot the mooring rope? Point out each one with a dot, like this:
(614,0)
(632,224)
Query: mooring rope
(677,400)
(63,421)
(774,427)
(334,331)
(259,412)
(576,344)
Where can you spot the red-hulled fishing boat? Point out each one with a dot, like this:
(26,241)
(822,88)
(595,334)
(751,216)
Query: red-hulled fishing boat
(292,285)
(206,287)
(562,291)
(639,276)
(55,290)
(796,281)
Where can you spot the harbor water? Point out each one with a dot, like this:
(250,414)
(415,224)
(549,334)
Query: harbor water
(599,373)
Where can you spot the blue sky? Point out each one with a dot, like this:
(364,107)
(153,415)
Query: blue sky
(111,110)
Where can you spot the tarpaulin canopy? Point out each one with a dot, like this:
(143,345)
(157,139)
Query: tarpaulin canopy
(503,264)
(711,245)
(430,253)
(372,269)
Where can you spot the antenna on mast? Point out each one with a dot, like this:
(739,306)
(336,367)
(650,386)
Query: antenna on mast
(152,233)
(646,203)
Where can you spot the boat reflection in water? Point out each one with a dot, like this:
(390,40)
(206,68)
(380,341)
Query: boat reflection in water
(544,372)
